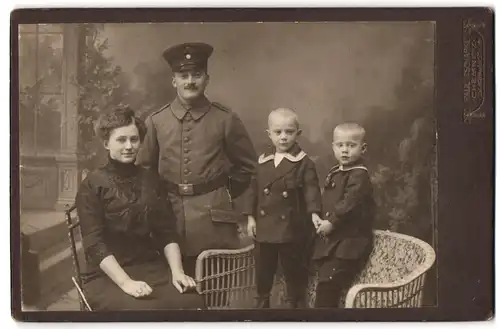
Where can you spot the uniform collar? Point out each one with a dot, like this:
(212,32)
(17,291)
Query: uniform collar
(295,154)
(197,110)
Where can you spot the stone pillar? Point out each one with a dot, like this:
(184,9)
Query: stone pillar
(68,179)
(67,161)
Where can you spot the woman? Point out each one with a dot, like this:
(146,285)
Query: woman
(127,223)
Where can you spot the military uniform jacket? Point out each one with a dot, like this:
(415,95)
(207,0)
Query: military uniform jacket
(349,205)
(284,197)
(193,146)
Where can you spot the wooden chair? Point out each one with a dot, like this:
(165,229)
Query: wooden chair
(73,232)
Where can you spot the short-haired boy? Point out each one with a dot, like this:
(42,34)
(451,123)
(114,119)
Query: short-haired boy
(284,201)
(345,235)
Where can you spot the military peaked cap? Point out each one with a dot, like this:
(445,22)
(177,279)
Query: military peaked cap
(193,55)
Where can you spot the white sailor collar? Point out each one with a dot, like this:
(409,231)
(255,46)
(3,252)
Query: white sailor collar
(295,155)
(338,168)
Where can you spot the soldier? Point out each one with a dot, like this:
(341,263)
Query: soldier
(203,152)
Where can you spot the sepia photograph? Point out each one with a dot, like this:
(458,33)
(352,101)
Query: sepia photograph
(227,166)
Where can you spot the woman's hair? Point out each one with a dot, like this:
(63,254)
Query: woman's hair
(119,117)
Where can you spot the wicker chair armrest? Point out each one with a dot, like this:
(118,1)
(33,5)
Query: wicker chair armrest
(385,287)
(421,270)
(230,284)
(362,287)
(216,252)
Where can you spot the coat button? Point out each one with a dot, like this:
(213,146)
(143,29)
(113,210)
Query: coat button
(285,194)
(327,214)
(186,160)
(262,212)
(186,139)
(266,191)
(186,150)
(283,217)
(186,171)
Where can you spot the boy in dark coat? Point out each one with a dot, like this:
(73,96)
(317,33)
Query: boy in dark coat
(345,238)
(285,199)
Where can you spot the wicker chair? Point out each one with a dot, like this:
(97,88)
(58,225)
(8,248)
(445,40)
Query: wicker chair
(395,274)
(226,278)
(393,277)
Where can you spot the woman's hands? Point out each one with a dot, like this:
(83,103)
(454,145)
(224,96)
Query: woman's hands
(136,289)
(116,273)
(180,281)
(183,282)
(140,289)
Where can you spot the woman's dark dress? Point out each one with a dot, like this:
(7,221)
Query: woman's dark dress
(123,213)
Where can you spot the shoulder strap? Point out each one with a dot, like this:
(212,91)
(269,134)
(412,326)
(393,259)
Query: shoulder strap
(221,107)
(161,109)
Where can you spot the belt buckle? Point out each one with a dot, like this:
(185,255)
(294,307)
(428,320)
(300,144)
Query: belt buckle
(186,189)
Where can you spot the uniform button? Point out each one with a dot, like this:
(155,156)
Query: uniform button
(186,171)
(262,213)
(283,217)
(266,191)
(186,160)
(186,150)
(327,214)
(285,194)
(187,129)
(186,139)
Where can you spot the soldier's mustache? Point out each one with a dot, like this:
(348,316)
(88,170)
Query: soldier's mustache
(191,87)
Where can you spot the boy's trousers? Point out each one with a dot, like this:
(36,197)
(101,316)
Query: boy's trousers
(294,262)
(336,275)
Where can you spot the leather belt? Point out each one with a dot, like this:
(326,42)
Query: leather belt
(197,189)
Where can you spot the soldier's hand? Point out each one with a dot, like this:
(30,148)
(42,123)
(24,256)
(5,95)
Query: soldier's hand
(251,227)
(324,228)
(316,220)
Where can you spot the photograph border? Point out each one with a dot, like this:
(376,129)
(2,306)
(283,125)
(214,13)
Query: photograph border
(463,209)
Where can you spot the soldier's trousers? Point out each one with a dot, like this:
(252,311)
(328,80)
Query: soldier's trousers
(335,277)
(294,265)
